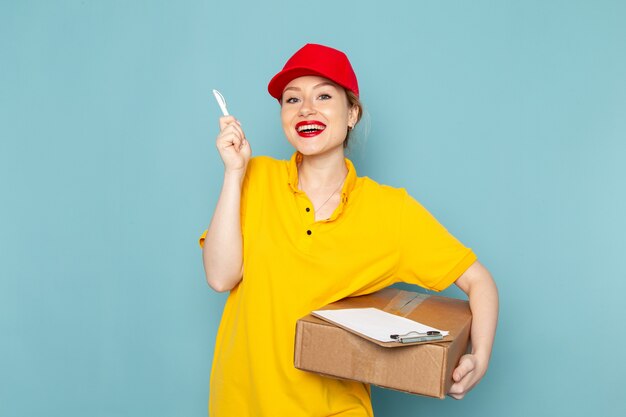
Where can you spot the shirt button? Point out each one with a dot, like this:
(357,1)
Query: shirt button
(308,232)
(308,209)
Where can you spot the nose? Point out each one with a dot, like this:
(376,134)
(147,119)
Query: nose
(307,107)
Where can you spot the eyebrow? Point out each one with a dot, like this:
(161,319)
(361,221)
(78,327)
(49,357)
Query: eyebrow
(322,84)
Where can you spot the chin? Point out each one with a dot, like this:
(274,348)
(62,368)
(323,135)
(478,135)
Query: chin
(314,146)
(310,151)
(307,150)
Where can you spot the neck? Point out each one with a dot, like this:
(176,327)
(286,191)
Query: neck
(322,171)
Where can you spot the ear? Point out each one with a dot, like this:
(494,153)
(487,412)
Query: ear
(353,115)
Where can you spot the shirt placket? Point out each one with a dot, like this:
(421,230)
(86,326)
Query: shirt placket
(308,227)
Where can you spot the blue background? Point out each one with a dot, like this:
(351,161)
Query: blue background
(506,119)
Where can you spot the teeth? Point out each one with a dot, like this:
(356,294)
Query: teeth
(310,127)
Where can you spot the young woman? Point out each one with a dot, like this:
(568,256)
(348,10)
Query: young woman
(288,237)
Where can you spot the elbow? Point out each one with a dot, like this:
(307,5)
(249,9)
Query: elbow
(222,284)
(218,286)
(221,276)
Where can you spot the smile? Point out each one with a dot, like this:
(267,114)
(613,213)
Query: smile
(310,128)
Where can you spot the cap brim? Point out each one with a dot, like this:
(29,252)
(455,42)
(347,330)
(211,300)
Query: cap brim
(280,80)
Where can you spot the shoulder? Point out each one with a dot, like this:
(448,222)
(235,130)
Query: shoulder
(385,193)
(262,170)
(260,165)
(264,163)
(380,199)
(399,207)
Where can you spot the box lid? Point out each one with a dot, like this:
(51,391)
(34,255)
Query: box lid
(443,313)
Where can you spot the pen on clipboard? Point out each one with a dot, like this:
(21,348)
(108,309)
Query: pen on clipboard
(414,337)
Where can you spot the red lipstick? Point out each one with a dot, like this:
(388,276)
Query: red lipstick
(310,128)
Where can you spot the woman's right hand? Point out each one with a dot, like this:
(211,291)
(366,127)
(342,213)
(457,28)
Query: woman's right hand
(232,145)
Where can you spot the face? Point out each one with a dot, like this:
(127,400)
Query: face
(315,115)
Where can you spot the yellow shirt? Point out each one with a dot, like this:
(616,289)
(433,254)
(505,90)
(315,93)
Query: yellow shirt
(378,235)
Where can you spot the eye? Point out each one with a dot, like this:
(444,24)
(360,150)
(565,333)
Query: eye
(291,100)
(324,97)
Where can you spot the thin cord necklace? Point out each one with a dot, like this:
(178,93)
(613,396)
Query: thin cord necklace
(330,196)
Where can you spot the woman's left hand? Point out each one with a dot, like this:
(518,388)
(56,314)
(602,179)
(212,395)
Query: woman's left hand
(466,375)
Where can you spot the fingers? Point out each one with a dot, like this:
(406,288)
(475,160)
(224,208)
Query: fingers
(227,120)
(464,377)
(231,134)
(244,149)
(232,144)
(466,365)
(232,125)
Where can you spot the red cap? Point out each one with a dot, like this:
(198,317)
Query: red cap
(320,60)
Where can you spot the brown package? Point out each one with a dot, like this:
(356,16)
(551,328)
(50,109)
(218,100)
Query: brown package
(424,368)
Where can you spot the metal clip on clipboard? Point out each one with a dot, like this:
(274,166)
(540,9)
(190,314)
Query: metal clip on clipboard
(415,337)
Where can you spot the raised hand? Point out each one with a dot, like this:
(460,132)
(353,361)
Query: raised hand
(232,145)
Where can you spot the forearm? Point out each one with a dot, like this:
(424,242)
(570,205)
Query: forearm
(222,250)
(483,299)
(477,283)
(481,290)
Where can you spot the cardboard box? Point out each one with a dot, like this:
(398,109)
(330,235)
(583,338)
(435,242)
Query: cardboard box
(424,368)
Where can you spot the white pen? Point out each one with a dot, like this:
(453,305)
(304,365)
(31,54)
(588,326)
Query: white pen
(221,101)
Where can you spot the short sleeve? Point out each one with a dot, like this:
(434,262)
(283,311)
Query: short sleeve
(202,237)
(429,255)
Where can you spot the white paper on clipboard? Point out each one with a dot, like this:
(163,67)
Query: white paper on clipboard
(374,323)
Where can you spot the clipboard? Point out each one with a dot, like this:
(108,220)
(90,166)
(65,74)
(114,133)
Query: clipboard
(381,327)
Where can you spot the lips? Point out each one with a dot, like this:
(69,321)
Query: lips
(310,128)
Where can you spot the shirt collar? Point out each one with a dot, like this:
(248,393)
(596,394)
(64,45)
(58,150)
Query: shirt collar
(292,175)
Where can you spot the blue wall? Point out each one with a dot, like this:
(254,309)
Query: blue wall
(506,119)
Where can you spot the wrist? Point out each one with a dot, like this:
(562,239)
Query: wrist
(234,175)
(482,359)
